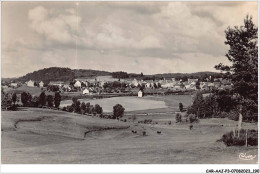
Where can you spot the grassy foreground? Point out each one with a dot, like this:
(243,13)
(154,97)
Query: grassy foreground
(41,136)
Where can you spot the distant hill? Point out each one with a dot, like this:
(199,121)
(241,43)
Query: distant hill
(66,74)
(59,74)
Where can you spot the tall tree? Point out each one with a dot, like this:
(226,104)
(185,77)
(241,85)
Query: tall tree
(50,100)
(25,97)
(57,99)
(42,99)
(14,98)
(243,55)
(118,111)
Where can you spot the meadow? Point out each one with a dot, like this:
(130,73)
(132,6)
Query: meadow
(45,136)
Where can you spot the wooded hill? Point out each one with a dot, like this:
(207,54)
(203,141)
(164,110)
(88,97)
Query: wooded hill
(66,74)
(58,74)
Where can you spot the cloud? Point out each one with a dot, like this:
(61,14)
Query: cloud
(54,26)
(149,37)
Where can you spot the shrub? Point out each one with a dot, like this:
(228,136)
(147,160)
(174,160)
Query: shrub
(178,118)
(144,133)
(118,111)
(230,139)
(192,118)
(181,107)
(146,121)
(223,115)
(69,109)
(57,99)
(98,109)
(50,100)
(64,108)
(233,116)
(169,122)
(133,118)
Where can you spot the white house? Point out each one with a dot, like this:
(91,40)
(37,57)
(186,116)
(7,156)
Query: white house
(66,88)
(192,81)
(86,91)
(14,85)
(30,83)
(57,83)
(140,93)
(41,84)
(77,84)
(135,82)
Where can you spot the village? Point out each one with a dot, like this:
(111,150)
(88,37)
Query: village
(107,84)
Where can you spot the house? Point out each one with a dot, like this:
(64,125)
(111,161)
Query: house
(192,81)
(140,93)
(135,82)
(41,84)
(58,83)
(86,91)
(218,79)
(167,84)
(217,84)
(66,88)
(30,83)
(77,84)
(15,85)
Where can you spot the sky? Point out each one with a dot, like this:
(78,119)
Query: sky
(148,37)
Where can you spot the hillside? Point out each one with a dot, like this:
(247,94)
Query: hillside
(66,74)
(59,74)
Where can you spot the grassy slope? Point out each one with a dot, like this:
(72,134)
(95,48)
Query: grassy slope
(58,139)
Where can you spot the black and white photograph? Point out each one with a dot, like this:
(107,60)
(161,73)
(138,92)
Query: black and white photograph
(129,82)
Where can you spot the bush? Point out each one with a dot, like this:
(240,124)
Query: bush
(169,122)
(193,118)
(178,117)
(223,115)
(146,121)
(233,116)
(233,140)
(69,109)
(64,108)
(118,111)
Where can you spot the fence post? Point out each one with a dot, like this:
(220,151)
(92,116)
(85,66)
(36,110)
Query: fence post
(246,137)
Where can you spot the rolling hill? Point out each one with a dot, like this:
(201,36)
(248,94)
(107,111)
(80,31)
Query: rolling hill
(58,74)
(66,74)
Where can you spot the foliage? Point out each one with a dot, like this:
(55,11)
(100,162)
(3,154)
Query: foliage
(76,106)
(243,54)
(60,74)
(192,118)
(26,98)
(83,108)
(181,107)
(42,99)
(57,99)
(98,109)
(6,100)
(118,111)
(178,118)
(225,100)
(231,139)
(34,102)
(50,100)
(198,106)
(233,115)
(14,98)
(146,121)
(120,75)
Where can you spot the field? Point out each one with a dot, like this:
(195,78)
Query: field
(137,105)
(32,90)
(129,103)
(42,136)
